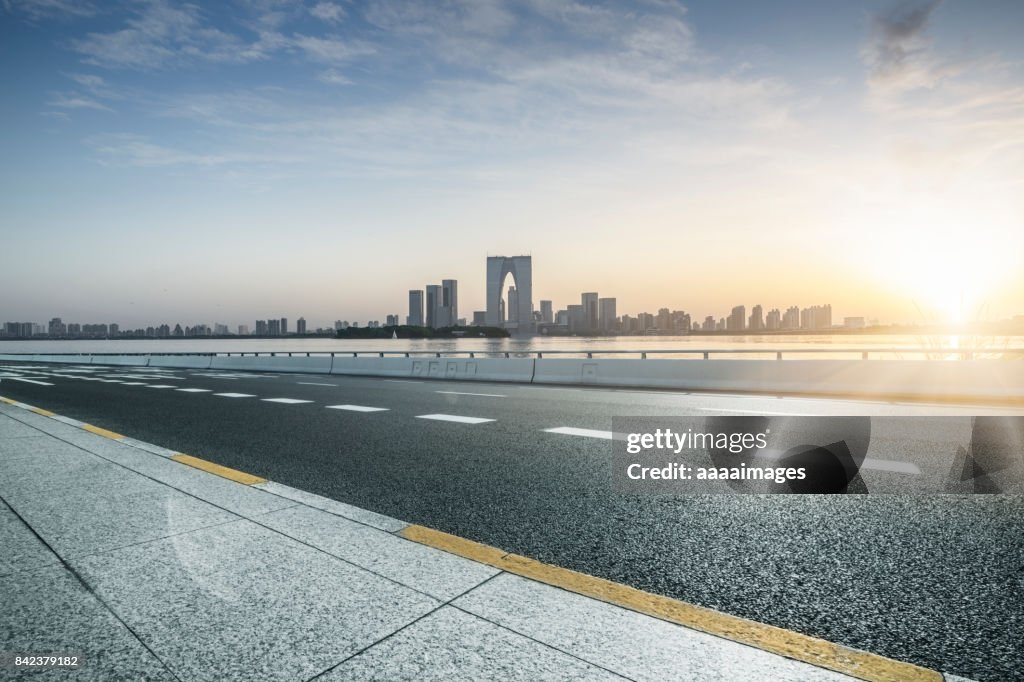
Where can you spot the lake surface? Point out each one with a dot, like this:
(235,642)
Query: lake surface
(913,345)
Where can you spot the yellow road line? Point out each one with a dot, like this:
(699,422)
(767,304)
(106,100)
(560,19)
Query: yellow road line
(859,664)
(225,472)
(102,432)
(45,413)
(8,401)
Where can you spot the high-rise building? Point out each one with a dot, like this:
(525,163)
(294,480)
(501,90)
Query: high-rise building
(791,318)
(664,321)
(284,326)
(433,304)
(450,302)
(57,328)
(546,314)
(261,328)
(300,326)
(774,320)
(521,270)
(392,321)
(577,319)
(737,321)
(243,330)
(607,319)
(513,305)
(274,327)
(757,318)
(479,318)
(415,317)
(591,312)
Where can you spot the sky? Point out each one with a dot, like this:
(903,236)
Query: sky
(239,160)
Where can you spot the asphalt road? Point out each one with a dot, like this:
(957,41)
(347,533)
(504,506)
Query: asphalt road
(936,580)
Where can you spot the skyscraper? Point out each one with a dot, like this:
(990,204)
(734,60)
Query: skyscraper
(608,318)
(513,305)
(284,326)
(415,317)
(546,312)
(757,318)
(433,304)
(737,321)
(450,301)
(591,314)
(300,326)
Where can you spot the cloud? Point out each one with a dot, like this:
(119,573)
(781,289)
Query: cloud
(897,53)
(76,101)
(126,149)
(334,77)
(331,49)
(50,9)
(159,34)
(328,11)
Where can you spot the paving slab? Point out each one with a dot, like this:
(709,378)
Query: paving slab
(334,507)
(12,428)
(630,643)
(48,611)
(22,550)
(429,570)
(453,645)
(246,603)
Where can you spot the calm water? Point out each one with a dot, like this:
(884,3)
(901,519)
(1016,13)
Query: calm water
(642,343)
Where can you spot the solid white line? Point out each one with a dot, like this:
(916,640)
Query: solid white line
(454,418)
(890,465)
(286,401)
(310,383)
(357,408)
(235,395)
(482,395)
(31,381)
(586,433)
(160,386)
(193,390)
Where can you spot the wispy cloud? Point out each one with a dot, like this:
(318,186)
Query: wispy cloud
(50,9)
(76,101)
(897,52)
(330,12)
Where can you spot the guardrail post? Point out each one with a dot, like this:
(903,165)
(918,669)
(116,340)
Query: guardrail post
(706,355)
(472,354)
(506,355)
(643,356)
(382,353)
(864,355)
(539,355)
(778,356)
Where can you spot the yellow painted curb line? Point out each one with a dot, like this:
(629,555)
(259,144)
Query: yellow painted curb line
(100,432)
(9,401)
(818,652)
(222,471)
(45,413)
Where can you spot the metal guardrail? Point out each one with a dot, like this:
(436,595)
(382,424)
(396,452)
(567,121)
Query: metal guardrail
(704,353)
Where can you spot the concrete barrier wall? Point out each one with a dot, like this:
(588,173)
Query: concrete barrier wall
(373,367)
(122,360)
(320,364)
(920,378)
(68,359)
(474,369)
(181,361)
(978,379)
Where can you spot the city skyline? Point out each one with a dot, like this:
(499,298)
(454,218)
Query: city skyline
(174,161)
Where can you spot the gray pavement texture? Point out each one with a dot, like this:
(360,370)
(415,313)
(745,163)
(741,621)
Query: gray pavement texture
(130,561)
(933,580)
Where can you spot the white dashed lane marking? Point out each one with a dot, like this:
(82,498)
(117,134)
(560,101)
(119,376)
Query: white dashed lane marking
(586,433)
(454,418)
(193,390)
(310,383)
(401,381)
(134,383)
(235,395)
(286,401)
(482,395)
(357,408)
(30,381)
(160,386)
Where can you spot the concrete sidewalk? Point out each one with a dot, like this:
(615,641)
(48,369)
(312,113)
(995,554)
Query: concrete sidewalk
(151,568)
